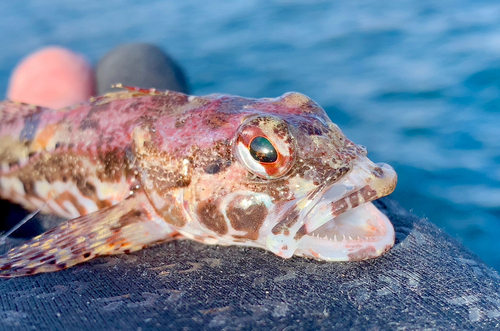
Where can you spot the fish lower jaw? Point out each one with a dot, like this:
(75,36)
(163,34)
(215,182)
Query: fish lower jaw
(358,234)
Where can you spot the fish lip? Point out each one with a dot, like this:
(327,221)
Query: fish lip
(365,182)
(353,190)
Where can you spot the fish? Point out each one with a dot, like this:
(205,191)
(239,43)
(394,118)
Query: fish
(138,167)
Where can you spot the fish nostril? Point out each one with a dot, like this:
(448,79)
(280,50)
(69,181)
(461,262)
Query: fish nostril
(378,172)
(382,170)
(388,178)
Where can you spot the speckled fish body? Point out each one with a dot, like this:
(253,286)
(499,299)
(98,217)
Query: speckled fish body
(133,168)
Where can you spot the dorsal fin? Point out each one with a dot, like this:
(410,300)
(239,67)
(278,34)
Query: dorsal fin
(150,91)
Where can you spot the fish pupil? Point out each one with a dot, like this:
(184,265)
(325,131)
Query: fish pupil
(262,150)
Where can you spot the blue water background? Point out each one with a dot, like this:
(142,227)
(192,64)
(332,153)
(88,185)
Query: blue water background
(417,82)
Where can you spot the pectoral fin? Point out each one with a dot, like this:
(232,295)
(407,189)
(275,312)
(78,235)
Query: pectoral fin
(126,227)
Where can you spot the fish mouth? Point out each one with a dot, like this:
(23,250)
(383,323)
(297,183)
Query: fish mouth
(358,234)
(340,223)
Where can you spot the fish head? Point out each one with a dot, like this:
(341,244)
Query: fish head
(271,173)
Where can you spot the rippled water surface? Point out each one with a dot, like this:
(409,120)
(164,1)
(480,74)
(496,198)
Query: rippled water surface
(417,82)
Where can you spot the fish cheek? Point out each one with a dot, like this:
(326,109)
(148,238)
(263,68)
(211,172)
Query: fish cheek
(246,217)
(171,212)
(210,217)
(162,198)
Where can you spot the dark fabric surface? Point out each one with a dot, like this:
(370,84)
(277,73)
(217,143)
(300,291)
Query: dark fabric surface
(140,65)
(428,280)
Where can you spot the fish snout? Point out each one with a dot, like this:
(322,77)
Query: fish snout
(384,179)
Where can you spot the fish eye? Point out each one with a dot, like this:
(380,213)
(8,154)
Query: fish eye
(262,150)
(265,147)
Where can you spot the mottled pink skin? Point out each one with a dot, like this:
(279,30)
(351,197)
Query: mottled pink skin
(52,77)
(232,110)
(107,122)
(148,165)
